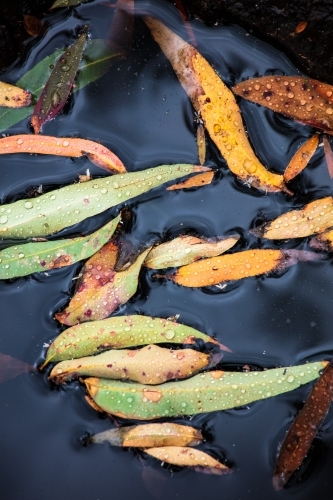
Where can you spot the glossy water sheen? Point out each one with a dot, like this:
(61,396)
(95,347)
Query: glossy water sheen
(140,111)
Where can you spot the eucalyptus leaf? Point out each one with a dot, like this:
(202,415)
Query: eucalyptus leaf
(66,206)
(33,257)
(67,3)
(210,391)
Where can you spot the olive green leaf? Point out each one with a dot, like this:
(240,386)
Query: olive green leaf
(33,257)
(210,391)
(67,3)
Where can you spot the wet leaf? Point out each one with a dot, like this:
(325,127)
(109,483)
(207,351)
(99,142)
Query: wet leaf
(313,218)
(97,59)
(11,367)
(21,260)
(236,266)
(297,442)
(67,3)
(63,207)
(301,158)
(328,155)
(32,25)
(297,97)
(323,241)
(201,143)
(150,435)
(13,97)
(149,365)
(120,332)
(217,107)
(195,181)
(63,146)
(187,249)
(210,391)
(300,27)
(57,88)
(188,457)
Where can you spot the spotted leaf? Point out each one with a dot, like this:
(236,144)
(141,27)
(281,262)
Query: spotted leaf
(210,391)
(301,158)
(13,97)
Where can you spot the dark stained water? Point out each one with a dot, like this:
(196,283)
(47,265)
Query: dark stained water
(140,111)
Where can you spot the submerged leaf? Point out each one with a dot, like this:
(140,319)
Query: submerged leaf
(21,260)
(297,97)
(150,435)
(120,332)
(32,25)
(210,391)
(297,442)
(13,97)
(236,266)
(217,107)
(301,158)
(328,155)
(63,146)
(323,241)
(149,365)
(98,303)
(188,457)
(57,88)
(11,367)
(63,207)
(313,218)
(201,143)
(195,181)
(67,3)
(186,249)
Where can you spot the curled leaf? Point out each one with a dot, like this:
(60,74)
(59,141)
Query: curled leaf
(13,97)
(120,332)
(63,146)
(217,107)
(188,457)
(301,158)
(210,391)
(63,207)
(150,435)
(297,442)
(149,365)
(99,302)
(313,218)
(297,97)
(236,266)
(195,181)
(186,249)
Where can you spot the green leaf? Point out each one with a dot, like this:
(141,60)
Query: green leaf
(34,257)
(120,332)
(97,59)
(66,206)
(210,391)
(67,3)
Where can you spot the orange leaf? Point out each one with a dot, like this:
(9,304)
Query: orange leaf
(300,98)
(195,181)
(301,158)
(13,97)
(323,241)
(63,146)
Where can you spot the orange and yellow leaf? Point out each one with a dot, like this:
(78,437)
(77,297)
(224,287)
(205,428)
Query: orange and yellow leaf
(301,158)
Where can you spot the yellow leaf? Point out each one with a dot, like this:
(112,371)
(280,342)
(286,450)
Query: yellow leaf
(301,158)
(13,97)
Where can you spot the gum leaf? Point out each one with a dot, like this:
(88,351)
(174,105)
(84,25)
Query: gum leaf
(236,266)
(187,249)
(201,143)
(216,106)
(301,158)
(49,213)
(13,97)
(210,391)
(328,155)
(195,181)
(28,258)
(150,435)
(149,365)
(67,3)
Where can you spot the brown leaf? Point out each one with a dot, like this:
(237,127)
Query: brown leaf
(195,181)
(11,367)
(323,241)
(328,155)
(32,25)
(201,143)
(301,158)
(304,428)
(300,27)
(298,97)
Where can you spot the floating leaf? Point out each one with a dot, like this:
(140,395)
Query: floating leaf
(120,332)
(323,241)
(11,367)
(63,146)
(217,106)
(57,88)
(97,58)
(195,181)
(150,435)
(13,97)
(210,391)
(32,25)
(28,258)
(328,155)
(301,158)
(313,218)
(298,97)
(188,457)
(67,3)
(149,365)
(297,442)
(201,143)
(186,249)
(63,207)
(236,266)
